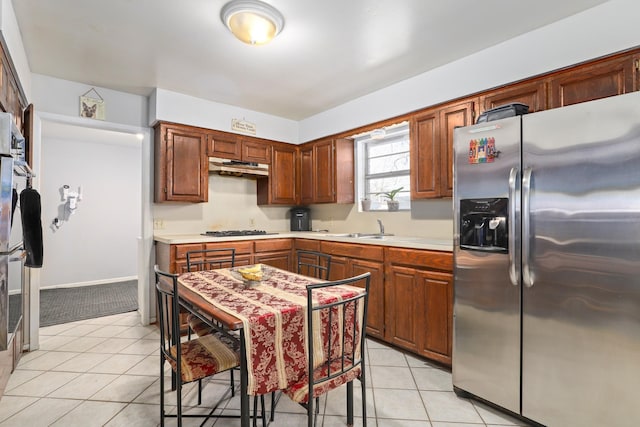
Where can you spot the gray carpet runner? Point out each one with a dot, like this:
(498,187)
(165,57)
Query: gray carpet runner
(64,305)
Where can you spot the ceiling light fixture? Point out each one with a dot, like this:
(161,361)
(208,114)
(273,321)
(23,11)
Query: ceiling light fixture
(252,21)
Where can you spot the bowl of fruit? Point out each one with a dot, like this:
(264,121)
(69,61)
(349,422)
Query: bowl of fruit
(251,275)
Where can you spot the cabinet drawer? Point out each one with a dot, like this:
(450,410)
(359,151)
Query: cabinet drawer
(420,258)
(351,250)
(307,244)
(240,247)
(181,250)
(271,245)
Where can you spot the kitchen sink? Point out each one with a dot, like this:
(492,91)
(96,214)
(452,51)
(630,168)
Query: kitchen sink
(361,235)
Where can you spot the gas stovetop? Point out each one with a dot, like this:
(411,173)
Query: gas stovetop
(228,233)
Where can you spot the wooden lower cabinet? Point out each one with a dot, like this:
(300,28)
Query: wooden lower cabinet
(403,308)
(410,292)
(436,294)
(419,302)
(348,260)
(274,252)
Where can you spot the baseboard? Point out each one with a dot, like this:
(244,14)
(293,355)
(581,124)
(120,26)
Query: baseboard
(91,283)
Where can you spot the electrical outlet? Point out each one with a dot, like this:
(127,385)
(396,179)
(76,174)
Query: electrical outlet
(158,224)
(252,222)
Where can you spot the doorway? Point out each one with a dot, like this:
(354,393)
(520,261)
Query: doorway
(106,237)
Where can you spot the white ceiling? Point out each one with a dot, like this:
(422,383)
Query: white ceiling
(330,51)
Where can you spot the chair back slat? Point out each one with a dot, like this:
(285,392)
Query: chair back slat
(314,264)
(211,259)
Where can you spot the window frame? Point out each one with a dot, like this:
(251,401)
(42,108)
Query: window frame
(363,143)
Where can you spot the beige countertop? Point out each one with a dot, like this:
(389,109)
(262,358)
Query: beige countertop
(387,240)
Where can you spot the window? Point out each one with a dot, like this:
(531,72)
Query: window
(383,165)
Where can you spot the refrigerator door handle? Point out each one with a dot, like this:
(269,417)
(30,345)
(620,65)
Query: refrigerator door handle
(527,277)
(514,273)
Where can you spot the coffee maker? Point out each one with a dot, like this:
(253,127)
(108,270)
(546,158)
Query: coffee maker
(300,219)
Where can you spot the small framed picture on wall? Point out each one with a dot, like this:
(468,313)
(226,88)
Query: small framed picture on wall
(91,107)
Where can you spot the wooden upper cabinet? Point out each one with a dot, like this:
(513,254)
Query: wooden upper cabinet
(343,171)
(324,172)
(425,155)
(237,147)
(256,151)
(452,116)
(181,165)
(307,175)
(531,93)
(327,171)
(281,186)
(636,72)
(601,79)
(225,145)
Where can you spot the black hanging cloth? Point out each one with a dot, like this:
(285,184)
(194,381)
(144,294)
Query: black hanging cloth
(30,207)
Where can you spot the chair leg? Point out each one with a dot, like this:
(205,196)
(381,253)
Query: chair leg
(273,406)
(264,415)
(311,414)
(161,390)
(350,403)
(179,402)
(364,401)
(233,389)
(255,411)
(199,392)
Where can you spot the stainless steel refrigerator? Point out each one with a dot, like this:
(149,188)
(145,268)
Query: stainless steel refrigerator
(547,263)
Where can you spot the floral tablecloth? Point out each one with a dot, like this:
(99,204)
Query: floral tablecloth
(273,314)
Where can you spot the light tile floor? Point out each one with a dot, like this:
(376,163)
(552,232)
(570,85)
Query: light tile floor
(104,372)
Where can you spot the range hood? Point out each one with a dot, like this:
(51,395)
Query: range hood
(238,168)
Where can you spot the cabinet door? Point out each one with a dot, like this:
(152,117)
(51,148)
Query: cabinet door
(182,173)
(307,175)
(532,94)
(589,82)
(339,268)
(461,114)
(324,172)
(636,73)
(375,308)
(281,259)
(425,156)
(436,292)
(255,151)
(224,145)
(282,176)
(402,308)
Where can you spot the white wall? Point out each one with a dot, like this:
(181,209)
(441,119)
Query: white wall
(599,31)
(99,241)
(231,206)
(179,108)
(62,97)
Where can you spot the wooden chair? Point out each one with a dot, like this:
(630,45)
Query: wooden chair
(190,360)
(211,259)
(314,264)
(342,327)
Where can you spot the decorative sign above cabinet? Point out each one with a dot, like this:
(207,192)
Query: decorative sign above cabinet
(243,126)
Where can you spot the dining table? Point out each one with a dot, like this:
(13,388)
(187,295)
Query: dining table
(269,317)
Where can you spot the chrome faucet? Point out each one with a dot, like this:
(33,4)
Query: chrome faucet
(381,226)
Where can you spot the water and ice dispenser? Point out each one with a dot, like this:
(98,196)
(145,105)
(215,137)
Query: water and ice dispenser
(483,224)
